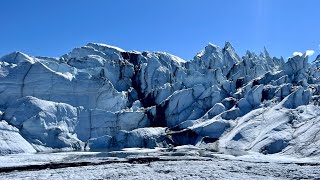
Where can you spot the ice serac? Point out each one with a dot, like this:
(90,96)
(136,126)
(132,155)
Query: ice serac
(17,57)
(102,97)
(45,123)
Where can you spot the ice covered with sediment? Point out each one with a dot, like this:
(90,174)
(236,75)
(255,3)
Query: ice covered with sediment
(103,97)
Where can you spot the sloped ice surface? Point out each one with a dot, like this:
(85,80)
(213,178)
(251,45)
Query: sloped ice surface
(11,141)
(100,97)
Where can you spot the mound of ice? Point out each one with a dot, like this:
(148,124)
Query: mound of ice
(103,97)
(11,141)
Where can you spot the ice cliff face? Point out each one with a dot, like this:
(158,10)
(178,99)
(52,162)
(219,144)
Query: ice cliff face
(102,97)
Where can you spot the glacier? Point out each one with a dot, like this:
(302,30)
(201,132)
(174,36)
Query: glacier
(101,97)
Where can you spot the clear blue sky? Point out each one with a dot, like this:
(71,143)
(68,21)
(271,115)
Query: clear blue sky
(180,27)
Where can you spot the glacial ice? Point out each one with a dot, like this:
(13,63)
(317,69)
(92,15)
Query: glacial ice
(100,97)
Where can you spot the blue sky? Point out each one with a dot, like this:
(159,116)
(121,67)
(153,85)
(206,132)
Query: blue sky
(180,27)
